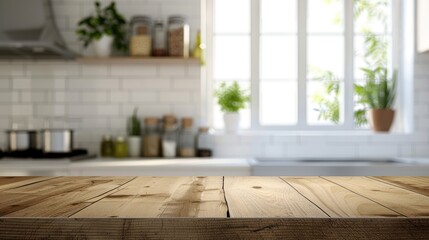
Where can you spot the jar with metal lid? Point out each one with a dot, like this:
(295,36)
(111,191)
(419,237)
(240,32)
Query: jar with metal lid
(205,142)
(159,39)
(187,139)
(178,37)
(107,146)
(141,36)
(121,148)
(169,141)
(152,138)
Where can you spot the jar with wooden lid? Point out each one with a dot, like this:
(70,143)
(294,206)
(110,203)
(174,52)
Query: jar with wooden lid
(141,36)
(187,139)
(152,138)
(169,140)
(178,37)
(205,142)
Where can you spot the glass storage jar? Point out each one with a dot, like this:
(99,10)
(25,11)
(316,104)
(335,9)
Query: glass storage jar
(152,138)
(159,39)
(187,139)
(169,141)
(141,36)
(178,37)
(121,148)
(107,146)
(205,142)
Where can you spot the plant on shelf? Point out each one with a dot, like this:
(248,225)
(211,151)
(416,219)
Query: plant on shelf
(231,99)
(105,28)
(134,135)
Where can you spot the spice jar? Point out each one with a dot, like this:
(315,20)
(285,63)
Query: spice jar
(178,37)
(205,142)
(187,139)
(141,36)
(107,148)
(159,39)
(169,141)
(151,139)
(121,148)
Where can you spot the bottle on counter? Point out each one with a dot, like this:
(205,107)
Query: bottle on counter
(152,138)
(187,139)
(169,141)
(205,142)
(107,147)
(121,148)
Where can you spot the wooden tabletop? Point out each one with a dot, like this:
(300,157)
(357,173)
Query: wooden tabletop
(270,200)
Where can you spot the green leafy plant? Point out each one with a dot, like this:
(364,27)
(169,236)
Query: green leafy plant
(134,125)
(328,97)
(231,98)
(106,21)
(378,92)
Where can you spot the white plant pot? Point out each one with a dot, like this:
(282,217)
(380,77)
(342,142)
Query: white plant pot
(134,146)
(232,122)
(103,46)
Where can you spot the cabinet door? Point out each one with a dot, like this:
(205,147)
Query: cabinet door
(422,26)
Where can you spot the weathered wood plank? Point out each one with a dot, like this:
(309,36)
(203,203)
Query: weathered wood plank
(19,198)
(337,201)
(405,202)
(416,184)
(266,197)
(14,182)
(162,197)
(205,228)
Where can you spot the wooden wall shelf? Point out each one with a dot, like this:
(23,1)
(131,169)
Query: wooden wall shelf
(138,60)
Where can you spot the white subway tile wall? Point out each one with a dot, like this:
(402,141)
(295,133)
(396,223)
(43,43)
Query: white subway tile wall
(96,99)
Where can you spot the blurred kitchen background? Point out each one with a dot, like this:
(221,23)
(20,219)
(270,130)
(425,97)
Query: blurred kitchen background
(291,116)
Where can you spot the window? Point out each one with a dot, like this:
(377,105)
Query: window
(302,60)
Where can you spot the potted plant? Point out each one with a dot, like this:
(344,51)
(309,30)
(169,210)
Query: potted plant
(134,135)
(231,99)
(104,29)
(379,93)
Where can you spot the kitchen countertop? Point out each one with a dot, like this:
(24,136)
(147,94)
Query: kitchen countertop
(215,207)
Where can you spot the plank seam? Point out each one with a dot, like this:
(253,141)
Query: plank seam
(305,197)
(228,214)
(396,185)
(111,190)
(366,197)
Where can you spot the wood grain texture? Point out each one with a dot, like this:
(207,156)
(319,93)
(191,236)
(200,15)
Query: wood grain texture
(53,197)
(266,197)
(400,200)
(205,228)
(14,182)
(337,201)
(416,184)
(163,197)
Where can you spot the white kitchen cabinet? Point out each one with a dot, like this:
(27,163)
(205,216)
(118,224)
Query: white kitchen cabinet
(422,26)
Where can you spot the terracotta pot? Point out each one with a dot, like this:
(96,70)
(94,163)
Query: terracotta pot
(381,119)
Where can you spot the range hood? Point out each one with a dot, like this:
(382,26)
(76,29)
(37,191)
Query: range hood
(28,31)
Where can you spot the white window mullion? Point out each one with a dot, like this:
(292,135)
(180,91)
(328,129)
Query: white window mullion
(302,63)
(207,88)
(349,66)
(254,82)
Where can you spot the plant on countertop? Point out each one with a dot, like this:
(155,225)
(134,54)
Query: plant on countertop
(106,21)
(231,98)
(134,125)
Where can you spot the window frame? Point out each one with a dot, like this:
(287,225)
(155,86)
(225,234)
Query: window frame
(208,99)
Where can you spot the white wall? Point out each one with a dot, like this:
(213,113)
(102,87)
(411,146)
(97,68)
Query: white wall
(100,97)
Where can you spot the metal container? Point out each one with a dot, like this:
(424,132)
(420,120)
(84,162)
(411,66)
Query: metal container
(57,140)
(21,140)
